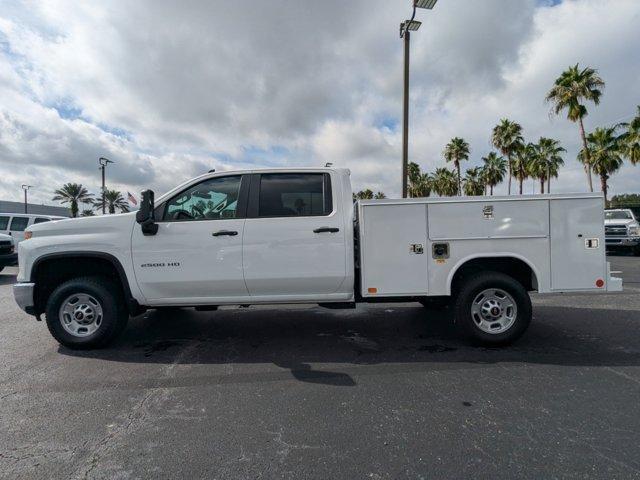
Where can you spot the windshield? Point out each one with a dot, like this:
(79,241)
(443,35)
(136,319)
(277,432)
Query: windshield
(617,215)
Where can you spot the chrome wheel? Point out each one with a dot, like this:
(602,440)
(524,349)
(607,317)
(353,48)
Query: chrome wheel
(494,311)
(81,314)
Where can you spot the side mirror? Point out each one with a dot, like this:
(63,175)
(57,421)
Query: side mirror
(146,216)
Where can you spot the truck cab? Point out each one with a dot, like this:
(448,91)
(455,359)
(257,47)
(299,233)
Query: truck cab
(278,236)
(622,230)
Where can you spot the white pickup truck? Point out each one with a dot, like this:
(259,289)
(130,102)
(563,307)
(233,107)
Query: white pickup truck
(621,230)
(295,236)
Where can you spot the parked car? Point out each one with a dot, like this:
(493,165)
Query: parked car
(15,224)
(622,230)
(8,253)
(283,236)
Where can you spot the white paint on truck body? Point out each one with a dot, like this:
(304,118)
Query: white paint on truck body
(560,237)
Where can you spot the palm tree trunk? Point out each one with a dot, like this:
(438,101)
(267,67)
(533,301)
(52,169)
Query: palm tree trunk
(549,184)
(459,179)
(587,167)
(521,181)
(541,184)
(509,162)
(491,190)
(603,184)
(74,208)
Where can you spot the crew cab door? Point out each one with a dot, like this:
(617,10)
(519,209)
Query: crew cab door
(196,255)
(294,237)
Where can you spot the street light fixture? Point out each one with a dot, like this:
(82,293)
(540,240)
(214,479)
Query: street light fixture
(428,4)
(407,26)
(26,189)
(103,163)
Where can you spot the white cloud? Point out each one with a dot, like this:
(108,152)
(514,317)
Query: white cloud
(169,89)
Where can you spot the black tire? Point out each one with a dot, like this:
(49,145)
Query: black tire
(636,251)
(114,312)
(468,325)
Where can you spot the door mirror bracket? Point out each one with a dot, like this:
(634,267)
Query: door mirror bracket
(146,215)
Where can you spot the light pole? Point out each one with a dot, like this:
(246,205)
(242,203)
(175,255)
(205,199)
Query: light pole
(26,189)
(103,163)
(405,28)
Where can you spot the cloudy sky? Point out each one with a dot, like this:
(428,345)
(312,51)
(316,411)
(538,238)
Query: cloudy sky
(169,90)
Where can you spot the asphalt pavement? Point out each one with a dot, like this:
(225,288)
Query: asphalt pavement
(379,392)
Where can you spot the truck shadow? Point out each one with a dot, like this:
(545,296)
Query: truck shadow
(370,340)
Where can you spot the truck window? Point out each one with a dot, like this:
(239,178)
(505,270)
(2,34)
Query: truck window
(18,224)
(41,220)
(294,194)
(4,222)
(213,199)
(617,215)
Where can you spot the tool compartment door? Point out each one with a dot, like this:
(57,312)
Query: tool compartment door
(391,262)
(576,263)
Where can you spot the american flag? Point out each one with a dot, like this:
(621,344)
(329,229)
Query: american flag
(132,199)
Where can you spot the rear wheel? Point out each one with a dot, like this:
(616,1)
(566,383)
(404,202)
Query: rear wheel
(492,308)
(87,312)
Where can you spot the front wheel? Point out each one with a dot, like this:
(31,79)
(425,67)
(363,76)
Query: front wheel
(86,312)
(492,308)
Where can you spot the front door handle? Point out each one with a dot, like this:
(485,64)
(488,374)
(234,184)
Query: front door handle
(231,233)
(326,229)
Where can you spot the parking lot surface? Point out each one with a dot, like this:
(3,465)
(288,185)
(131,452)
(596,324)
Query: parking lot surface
(379,392)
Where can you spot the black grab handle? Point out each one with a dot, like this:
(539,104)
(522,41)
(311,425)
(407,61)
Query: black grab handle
(231,233)
(326,229)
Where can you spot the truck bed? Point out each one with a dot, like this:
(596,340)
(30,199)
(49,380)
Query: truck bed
(412,246)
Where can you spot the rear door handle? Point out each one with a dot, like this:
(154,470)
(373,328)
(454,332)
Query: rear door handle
(219,233)
(326,229)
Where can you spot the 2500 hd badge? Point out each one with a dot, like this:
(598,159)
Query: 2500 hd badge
(160,264)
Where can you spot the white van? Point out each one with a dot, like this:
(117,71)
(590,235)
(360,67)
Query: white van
(14,224)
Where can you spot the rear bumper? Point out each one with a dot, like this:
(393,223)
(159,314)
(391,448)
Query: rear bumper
(614,284)
(9,260)
(622,241)
(23,294)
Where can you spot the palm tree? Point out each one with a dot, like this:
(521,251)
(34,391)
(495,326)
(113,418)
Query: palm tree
(72,193)
(571,88)
(87,212)
(604,154)
(366,194)
(420,184)
(522,163)
(507,137)
(379,195)
(474,181)
(631,139)
(456,151)
(445,182)
(548,154)
(494,169)
(113,199)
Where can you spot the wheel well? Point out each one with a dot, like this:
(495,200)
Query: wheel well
(50,272)
(514,267)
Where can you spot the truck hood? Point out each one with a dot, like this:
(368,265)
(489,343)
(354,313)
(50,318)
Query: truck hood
(84,225)
(614,221)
